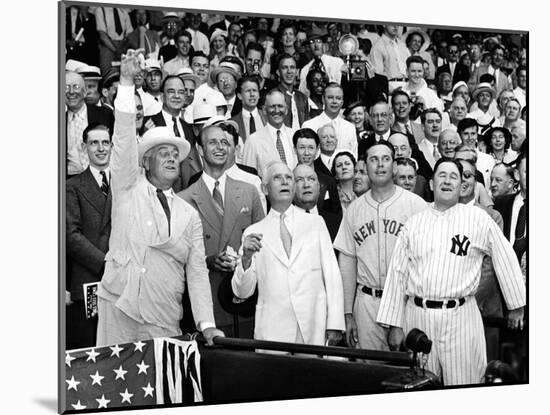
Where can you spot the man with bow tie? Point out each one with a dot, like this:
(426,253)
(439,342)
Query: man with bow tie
(288,255)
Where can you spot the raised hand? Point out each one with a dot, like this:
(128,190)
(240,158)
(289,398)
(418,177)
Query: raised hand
(130,65)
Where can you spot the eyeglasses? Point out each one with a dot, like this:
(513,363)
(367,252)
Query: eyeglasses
(74,87)
(312,41)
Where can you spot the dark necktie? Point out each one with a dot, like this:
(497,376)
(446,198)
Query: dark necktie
(307,211)
(164,203)
(104,183)
(288,100)
(520,225)
(318,64)
(252,125)
(176,131)
(217,196)
(118,26)
(280,147)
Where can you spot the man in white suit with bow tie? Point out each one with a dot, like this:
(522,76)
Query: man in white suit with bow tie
(289,256)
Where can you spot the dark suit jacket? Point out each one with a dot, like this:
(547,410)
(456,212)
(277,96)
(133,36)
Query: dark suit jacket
(327,185)
(88,51)
(167,52)
(462,72)
(88,231)
(332,220)
(242,207)
(503,205)
(238,118)
(99,115)
(237,107)
(192,163)
(320,167)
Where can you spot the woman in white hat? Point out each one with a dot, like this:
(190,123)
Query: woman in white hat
(418,42)
(218,47)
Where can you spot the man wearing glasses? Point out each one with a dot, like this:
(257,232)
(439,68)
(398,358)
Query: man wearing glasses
(79,116)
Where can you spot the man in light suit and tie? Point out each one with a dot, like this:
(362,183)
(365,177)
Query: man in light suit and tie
(226,207)
(274,141)
(501,79)
(156,243)
(289,256)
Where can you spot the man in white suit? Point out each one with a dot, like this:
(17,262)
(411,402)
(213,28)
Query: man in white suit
(273,142)
(289,256)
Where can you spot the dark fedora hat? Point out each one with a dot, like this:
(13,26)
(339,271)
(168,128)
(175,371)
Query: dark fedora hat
(232,304)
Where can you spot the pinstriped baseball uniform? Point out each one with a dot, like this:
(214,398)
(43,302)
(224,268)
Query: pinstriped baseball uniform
(438,256)
(368,233)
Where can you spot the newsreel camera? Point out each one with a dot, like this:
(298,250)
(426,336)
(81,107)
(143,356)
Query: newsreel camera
(349,46)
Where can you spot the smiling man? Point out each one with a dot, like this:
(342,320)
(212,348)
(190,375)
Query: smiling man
(250,119)
(434,273)
(88,230)
(274,141)
(365,240)
(290,242)
(333,100)
(223,220)
(156,245)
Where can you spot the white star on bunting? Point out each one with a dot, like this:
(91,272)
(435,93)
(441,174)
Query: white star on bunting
(72,383)
(142,367)
(69,359)
(126,396)
(103,402)
(96,378)
(116,350)
(120,372)
(78,406)
(148,390)
(92,354)
(139,346)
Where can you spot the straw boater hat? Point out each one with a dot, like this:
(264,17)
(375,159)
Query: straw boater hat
(152,65)
(484,86)
(412,30)
(187,73)
(162,135)
(89,72)
(223,67)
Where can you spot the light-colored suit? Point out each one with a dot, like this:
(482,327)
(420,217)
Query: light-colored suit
(303,291)
(502,81)
(260,150)
(146,268)
(242,207)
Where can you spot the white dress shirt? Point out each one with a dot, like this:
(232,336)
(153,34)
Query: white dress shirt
(98,177)
(518,201)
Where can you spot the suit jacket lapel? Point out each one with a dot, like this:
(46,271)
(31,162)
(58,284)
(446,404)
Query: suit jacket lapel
(298,238)
(232,202)
(91,191)
(201,196)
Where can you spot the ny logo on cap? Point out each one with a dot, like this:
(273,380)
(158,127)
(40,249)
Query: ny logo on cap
(460,245)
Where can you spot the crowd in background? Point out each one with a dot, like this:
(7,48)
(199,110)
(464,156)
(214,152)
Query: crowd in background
(316,95)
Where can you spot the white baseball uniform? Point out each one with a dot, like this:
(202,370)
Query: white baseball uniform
(368,233)
(438,257)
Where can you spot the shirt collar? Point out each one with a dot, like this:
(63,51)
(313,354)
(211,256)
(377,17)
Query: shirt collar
(313,210)
(97,175)
(82,112)
(289,213)
(168,193)
(253,113)
(211,182)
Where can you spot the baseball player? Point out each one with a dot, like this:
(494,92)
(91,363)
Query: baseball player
(434,273)
(365,240)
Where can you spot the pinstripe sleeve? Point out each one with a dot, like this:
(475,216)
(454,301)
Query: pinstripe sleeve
(392,305)
(507,268)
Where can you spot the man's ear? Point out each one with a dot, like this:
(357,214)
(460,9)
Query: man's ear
(239,96)
(264,189)
(200,150)
(104,92)
(146,163)
(431,182)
